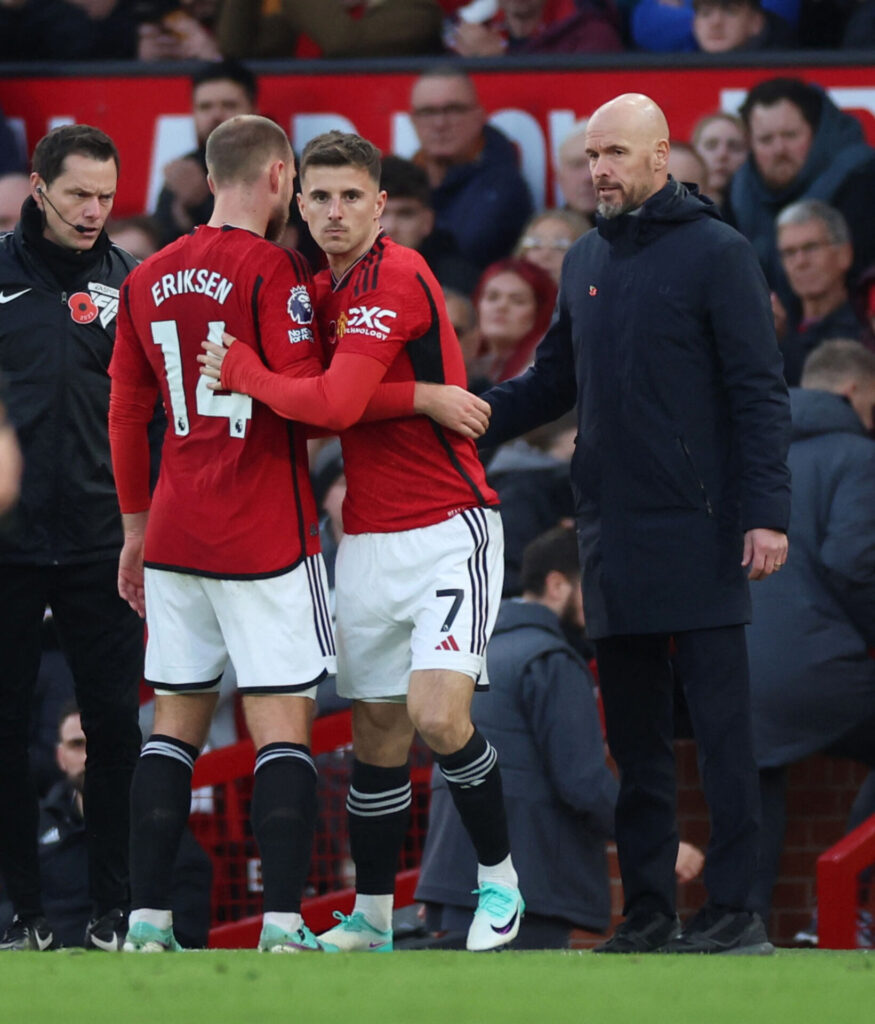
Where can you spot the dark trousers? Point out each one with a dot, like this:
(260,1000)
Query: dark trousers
(858,744)
(102,639)
(636,680)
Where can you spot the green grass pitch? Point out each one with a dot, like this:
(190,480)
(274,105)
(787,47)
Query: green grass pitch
(226,987)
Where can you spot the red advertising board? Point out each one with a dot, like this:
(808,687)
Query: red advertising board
(147,115)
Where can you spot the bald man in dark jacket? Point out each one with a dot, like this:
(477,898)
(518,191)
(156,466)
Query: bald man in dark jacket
(663,335)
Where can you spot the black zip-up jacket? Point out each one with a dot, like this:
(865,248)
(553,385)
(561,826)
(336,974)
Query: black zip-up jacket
(57,329)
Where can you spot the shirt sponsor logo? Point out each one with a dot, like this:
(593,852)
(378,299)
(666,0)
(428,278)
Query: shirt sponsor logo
(300,307)
(373,321)
(300,334)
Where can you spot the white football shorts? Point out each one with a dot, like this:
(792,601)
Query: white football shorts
(417,599)
(276,631)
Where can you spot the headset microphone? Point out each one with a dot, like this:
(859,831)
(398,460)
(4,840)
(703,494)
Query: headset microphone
(75,227)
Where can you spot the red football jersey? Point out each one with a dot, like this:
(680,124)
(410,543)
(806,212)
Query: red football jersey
(233,497)
(409,472)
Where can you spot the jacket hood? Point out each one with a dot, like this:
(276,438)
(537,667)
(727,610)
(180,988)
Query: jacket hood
(821,412)
(838,147)
(516,613)
(674,203)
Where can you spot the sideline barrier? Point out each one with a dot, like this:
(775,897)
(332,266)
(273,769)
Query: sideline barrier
(839,887)
(222,790)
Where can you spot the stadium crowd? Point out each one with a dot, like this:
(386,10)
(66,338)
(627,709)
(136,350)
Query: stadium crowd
(790,171)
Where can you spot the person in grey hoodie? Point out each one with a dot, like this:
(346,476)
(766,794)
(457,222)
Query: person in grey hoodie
(812,676)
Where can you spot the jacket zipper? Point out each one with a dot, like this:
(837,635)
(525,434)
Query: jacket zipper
(708,507)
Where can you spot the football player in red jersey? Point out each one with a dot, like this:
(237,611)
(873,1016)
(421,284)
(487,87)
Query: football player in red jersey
(233,470)
(420,565)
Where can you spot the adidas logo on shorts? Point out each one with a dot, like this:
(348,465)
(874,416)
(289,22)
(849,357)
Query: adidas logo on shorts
(447,645)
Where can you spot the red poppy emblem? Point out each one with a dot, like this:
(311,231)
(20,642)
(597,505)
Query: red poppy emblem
(593,290)
(82,308)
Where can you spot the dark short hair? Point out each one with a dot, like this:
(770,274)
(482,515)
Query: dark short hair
(227,71)
(238,149)
(138,222)
(342,149)
(53,149)
(553,551)
(403,179)
(806,97)
(68,709)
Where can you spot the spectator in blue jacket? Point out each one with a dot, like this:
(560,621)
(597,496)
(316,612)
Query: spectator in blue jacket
(478,192)
(812,676)
(666,26)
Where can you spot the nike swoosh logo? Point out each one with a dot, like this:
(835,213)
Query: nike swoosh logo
(42,943)
(507,927)
(373,945)
(8,298)
(110,946)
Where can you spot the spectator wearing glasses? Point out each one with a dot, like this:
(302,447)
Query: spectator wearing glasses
(814,244)
(478,192)
(548,236)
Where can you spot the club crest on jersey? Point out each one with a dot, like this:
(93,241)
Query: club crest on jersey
(100,300)
(299,307)
(370,320)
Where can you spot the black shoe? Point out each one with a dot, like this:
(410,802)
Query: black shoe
(31,934)
(721,930)
(107,932)
(642,933)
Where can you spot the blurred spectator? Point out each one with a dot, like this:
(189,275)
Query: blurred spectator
(463,317)
(478,192)
(859,32)
(12,159)
(64,859)
(140,236)
(219,92)
(720,139)
(532,478)
(176,29)
(67,30)
(514,302)
(666,26)
(409,219)
(14,189)
(539,26)
(572,172)
(815,249)
(548,236)
(802,146)
(813,626)
(337,28)
(685,164)
(728,26)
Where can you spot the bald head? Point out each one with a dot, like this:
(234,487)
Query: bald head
(627,145)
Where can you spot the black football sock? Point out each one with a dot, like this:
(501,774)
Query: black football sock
(283,817)
(160,805)
(378,805)
(475,784)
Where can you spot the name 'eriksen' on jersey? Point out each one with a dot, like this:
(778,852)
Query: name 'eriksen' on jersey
(198,281)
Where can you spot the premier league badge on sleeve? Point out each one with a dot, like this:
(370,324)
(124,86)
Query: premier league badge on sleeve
(300,307)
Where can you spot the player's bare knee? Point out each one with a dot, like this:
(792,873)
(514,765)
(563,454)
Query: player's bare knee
(444,728)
